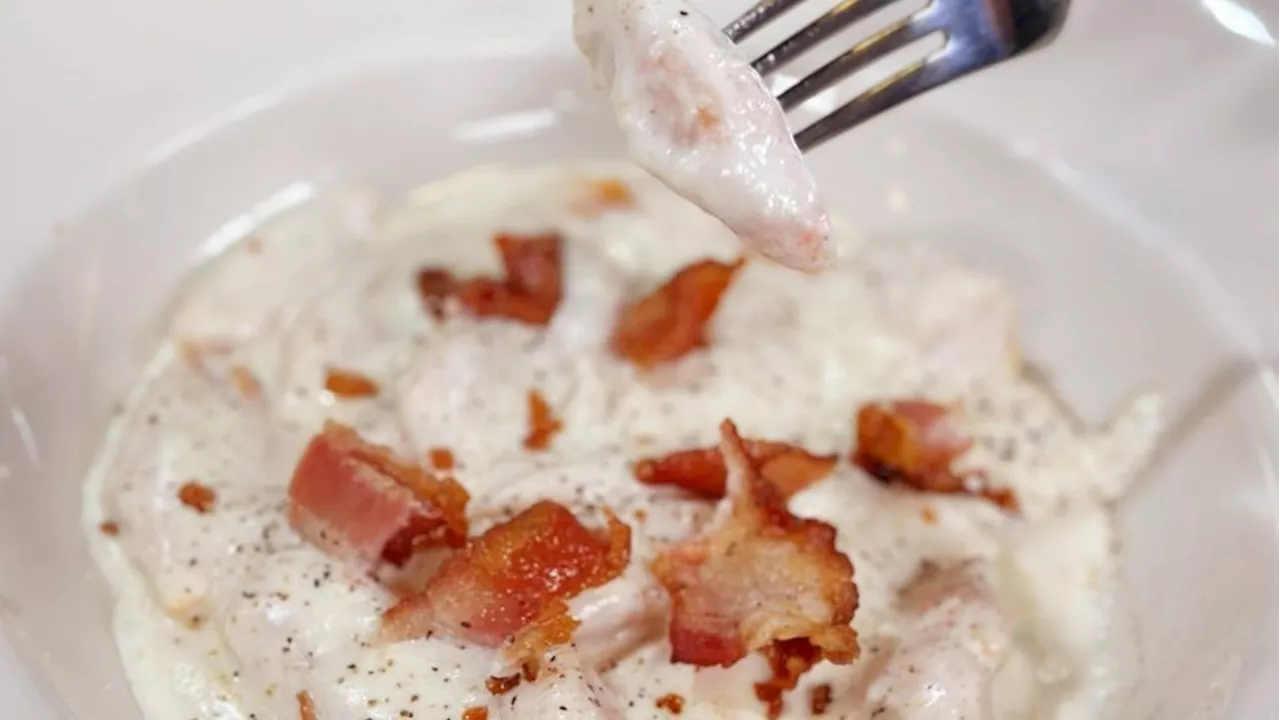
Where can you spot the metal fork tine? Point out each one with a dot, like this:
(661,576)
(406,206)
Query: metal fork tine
(862,55)
(978,33)
(916,79)
(835,20)
(760,14)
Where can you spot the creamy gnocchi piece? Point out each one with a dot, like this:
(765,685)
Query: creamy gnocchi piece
(540,443)
(696,115)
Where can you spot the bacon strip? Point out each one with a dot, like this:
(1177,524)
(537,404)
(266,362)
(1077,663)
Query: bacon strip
(356,500)
(702,471)
(912,442)
(671,321)
(760,577)
(510,584)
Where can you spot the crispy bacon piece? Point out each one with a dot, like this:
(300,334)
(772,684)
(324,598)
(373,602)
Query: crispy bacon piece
(306,707)
(531,290)
(761,576)
(475,713)
(543,424)
(511,583)
(702,471)
(110,528)
(349,384)
(912,442)
(671,321)
(435,285)
(197,496)
(356,500)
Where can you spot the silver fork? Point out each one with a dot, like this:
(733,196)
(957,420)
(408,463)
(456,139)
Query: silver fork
(977,33)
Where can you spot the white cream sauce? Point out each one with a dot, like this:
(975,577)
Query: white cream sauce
(229,614)
(697,115)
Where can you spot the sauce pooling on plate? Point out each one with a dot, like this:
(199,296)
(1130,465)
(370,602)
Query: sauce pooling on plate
(697,115)
(542,522)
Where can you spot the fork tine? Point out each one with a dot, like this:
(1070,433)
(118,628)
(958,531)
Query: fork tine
(918,78)
(835,20)
(862,55)
(759,15)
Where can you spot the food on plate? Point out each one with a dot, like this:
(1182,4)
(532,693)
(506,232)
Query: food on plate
(455,493)
(697,115)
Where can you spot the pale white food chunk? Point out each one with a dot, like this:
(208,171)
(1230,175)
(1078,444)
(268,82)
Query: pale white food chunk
(696,115)
(947,656)
(963,323)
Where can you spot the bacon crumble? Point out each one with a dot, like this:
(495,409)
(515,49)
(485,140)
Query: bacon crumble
(788,661)
(761,579)
(671,321)
(702,471)
(502,684)
(819,699)
(110,528)
(913,442)
(349,384)
(306,707)
(356,500)
(435,286)
(543,424)
(671,702)
(441,458)
(197,496)
(475,713)
(510,584)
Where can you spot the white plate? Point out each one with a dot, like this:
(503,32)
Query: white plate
(1124,180)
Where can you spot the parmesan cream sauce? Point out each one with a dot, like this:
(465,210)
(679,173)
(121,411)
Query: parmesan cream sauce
(229,615)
